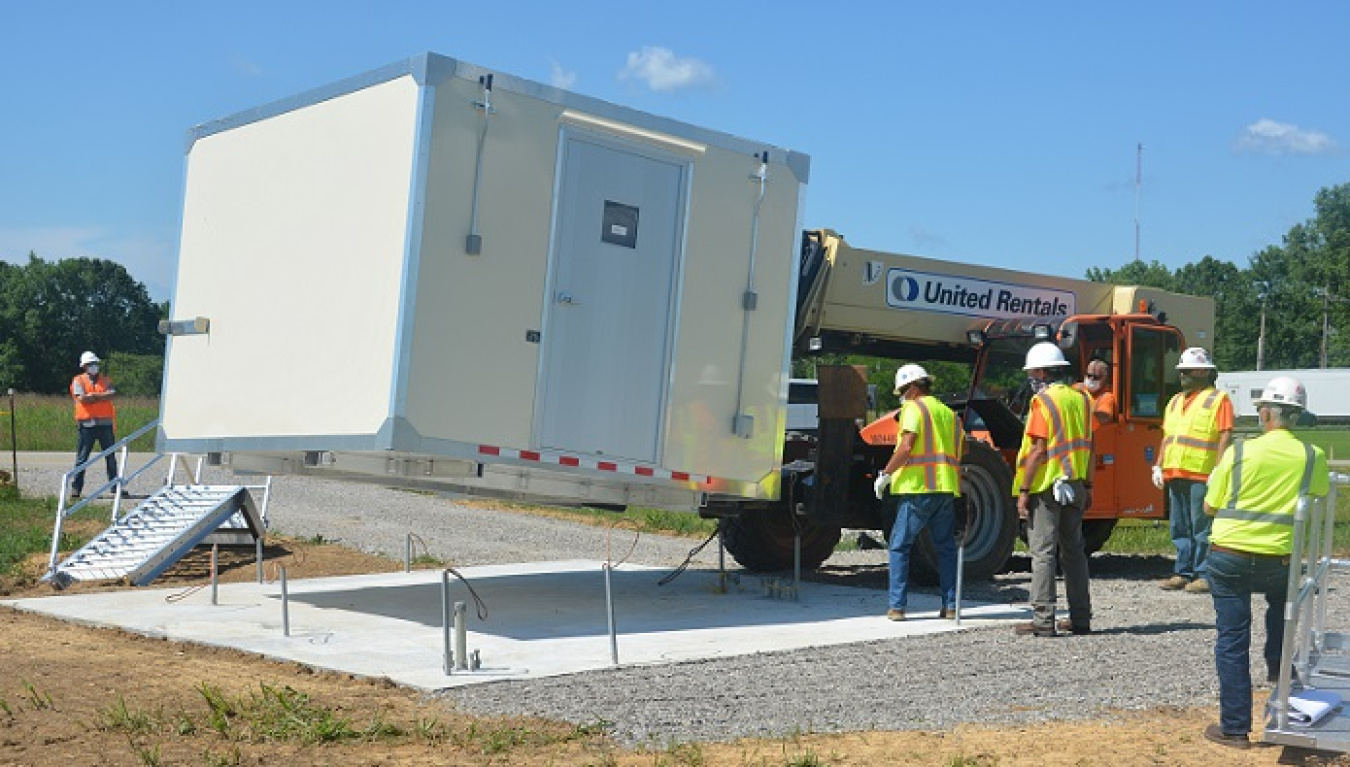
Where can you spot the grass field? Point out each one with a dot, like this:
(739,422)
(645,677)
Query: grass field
(45,422)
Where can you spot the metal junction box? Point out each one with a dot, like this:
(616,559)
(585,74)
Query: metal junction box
(437,274)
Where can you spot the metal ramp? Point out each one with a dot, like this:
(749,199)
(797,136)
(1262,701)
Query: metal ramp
(149,539)
(1307,708)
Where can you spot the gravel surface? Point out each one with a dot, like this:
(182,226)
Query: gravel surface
(1151,648)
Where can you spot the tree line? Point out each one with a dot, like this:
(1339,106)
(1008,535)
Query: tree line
(51,311)
(1301,288)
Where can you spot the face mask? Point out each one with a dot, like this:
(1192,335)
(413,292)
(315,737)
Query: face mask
(93,370)
(1037,384)
(1092,384)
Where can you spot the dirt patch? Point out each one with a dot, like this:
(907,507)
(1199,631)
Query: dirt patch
(75,695)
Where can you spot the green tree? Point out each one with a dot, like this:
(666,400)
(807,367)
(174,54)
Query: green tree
(52,311)
(1308,279)
(1152,274)
(137,375)
(1236,306)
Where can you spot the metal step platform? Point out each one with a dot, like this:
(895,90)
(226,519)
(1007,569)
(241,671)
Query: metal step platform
(149,539)
(1316,661)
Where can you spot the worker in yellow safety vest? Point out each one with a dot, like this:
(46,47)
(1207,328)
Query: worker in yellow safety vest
(919,485)
(1052,485)
(1252,496)
(1197,428)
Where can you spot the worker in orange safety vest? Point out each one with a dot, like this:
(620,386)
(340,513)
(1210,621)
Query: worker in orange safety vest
(1197,428)
(95,418)
(1053,488)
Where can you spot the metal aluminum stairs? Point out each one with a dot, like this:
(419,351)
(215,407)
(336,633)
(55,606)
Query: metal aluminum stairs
(150,538)
(1308,707)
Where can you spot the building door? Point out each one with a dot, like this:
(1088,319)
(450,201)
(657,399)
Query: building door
(608,331)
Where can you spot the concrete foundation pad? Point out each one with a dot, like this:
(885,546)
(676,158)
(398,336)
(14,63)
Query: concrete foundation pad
(536,619)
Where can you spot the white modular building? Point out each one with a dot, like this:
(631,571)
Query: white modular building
(1326,387)
(434,273)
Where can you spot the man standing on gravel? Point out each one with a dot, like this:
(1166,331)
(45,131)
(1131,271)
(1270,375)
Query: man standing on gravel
(923,478)
(1197,428)
(1053,478)
(1253,493)
(95,415)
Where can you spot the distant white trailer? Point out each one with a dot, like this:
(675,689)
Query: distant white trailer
(433,273)
(1327,388)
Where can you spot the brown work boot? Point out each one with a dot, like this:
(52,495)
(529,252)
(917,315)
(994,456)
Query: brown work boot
(1198,586)
(1066,626)
(1175,583)
(1034,629)
(1215,734)
(895,615)
(947,612)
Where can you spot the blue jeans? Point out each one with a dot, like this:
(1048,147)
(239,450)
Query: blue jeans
(937,512)
(1233,578)
(103,435)
(1189,526)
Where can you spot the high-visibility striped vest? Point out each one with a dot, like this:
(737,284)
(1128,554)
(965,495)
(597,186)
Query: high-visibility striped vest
(1191,432)
(934,464)
(1069,444)
(88,411)
(1263,487)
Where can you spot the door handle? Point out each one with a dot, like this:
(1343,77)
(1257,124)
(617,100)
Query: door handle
(567,298)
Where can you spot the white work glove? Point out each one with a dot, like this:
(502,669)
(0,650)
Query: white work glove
(1157,477)
(1063,491)
(879,486)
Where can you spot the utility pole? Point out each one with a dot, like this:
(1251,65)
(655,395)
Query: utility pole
(1261,338)
(1326,324)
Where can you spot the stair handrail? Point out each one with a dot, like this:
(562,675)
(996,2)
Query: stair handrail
(1310,567)
(122,448)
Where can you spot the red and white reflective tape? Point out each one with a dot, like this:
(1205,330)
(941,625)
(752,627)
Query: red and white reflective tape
(591,463)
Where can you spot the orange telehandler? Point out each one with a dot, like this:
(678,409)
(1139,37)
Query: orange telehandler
(910,309)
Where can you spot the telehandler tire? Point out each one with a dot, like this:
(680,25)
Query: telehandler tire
(989,523)
(760,538)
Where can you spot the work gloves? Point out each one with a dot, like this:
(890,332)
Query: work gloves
(1063,491)
(882,482)
(1157,477)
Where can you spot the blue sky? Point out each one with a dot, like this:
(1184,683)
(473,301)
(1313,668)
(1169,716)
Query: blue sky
(994,133)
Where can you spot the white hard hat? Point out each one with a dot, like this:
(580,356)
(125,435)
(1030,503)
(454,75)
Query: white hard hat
(1195,358)
(88,358)
(1044,355)
(1283,390)
(908,374)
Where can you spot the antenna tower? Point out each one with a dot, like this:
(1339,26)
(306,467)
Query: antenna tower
(1138,186)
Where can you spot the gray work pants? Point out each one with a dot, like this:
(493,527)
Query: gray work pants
(1053,527)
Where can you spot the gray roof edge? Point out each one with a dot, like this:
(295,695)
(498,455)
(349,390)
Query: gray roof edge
(432,69)
(411,66)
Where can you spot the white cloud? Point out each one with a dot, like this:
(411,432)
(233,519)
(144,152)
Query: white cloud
(661,70)
(561,78)
(147,256)
(246,67)
(926,240)
(1265,136)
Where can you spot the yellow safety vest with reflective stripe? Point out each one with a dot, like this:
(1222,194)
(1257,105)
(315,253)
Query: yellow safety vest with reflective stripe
(934,464)
(1069,444)
(1191,433)
(1255,491)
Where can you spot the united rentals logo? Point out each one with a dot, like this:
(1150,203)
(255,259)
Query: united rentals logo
(921,291)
